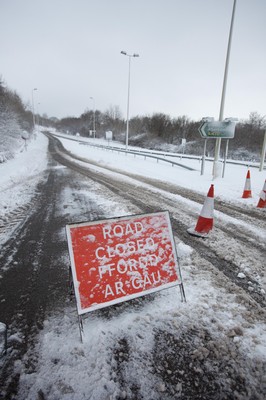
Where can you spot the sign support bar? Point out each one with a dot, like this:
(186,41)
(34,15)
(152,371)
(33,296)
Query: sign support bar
(203,157)
(81,330)
(182,292)
(263,151)
(225,156)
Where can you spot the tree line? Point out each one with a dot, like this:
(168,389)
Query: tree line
(152,131)
(160,130)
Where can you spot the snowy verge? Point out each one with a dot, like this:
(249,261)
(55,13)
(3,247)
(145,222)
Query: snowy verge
(18,180)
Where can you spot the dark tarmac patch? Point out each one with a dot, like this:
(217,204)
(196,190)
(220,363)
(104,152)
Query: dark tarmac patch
(190,365)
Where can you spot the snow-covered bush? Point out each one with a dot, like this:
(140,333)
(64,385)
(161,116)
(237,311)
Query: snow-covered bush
(14,119)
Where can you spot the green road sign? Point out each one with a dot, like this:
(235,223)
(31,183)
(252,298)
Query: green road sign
(217,129)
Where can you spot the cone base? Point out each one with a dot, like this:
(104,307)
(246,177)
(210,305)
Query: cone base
(261,204)
(192,232)
(246,195)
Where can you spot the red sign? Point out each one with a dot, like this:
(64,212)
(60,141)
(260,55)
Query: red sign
(119,259)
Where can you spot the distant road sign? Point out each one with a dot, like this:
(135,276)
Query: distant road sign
(109,135)
(115,260)
(217,129)
(25,135)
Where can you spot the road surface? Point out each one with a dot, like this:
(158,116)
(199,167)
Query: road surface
(35,273)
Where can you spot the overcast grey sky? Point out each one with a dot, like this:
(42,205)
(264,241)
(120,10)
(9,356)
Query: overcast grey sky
(70,51)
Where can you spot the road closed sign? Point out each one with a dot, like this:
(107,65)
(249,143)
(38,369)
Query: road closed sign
(115,260)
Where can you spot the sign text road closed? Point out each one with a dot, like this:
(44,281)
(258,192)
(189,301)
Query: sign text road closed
(119,259)
(217,129)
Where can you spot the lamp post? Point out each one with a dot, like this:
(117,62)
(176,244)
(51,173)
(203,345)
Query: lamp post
(128,92)
(221,115)
(38,116)
(94,132)
(32,99)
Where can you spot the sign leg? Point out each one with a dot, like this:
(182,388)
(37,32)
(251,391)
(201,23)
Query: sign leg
(182,292)
(3,339)
(225,156)
(203,157)
(81,330)
(70,283)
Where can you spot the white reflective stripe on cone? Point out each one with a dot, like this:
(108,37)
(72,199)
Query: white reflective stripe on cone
(207,209)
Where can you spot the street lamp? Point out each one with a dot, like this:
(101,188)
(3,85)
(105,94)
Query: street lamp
(33,116)
(94,132)
(129,61)
(38,116)
(221,116)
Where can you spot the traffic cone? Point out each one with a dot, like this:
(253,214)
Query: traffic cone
(205,220)
(262,200)
(247,189)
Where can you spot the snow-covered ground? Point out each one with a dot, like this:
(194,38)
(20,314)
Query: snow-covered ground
(27,164)
(230,187)
(18,180)
(69,369)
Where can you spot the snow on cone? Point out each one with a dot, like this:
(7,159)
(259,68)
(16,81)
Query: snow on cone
(262,200)
(247,188)
(205,220)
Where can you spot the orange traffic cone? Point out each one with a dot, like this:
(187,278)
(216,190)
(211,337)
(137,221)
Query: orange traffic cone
(205,220)
(262,200)
(247,188)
